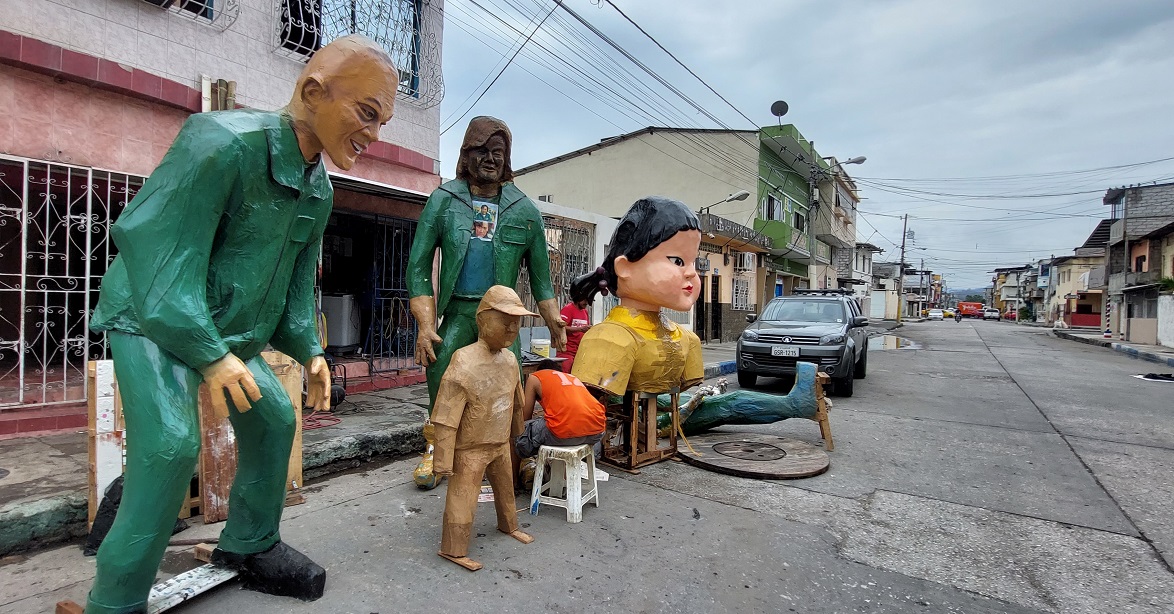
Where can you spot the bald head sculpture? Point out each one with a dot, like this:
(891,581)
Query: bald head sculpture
(343,96)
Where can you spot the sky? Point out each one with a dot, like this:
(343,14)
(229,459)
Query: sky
(993,124)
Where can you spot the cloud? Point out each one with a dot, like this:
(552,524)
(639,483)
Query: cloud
(923,88)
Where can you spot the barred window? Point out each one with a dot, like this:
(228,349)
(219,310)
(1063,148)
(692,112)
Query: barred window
(399,26)
(741,294)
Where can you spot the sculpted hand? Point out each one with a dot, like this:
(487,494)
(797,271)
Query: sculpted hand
(229,372)
(554,321)
(425,353)
(318,384)
(558,336)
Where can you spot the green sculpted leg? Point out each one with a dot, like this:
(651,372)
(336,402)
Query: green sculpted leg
(264,437)
(162,445)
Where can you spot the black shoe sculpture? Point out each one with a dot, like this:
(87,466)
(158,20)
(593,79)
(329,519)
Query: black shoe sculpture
(280,570)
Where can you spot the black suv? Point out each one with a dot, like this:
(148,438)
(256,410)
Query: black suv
(824,327)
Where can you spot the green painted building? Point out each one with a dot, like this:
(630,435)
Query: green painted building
(787,164)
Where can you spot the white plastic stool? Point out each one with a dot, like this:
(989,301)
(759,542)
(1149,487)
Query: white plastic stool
(568,480)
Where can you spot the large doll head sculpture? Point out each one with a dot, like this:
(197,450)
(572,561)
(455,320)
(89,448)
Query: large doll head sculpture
(342,98)
(650,261)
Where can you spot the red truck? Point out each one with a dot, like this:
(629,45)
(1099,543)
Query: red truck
(970,310)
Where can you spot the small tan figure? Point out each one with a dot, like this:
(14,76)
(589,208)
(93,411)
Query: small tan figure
(478,413)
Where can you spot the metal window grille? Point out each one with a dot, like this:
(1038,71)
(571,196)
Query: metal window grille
(54,248)
(571,247)
(741,299)
(404,28)
(218,13)
(391,336)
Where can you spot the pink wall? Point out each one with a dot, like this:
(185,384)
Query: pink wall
(76,124)
(72,123)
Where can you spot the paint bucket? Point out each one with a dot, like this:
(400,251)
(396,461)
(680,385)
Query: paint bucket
(540,347)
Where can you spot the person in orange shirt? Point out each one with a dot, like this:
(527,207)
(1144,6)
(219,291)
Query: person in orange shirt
(571,415)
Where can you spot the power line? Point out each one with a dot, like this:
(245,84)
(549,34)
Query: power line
(499,73)
(682,64)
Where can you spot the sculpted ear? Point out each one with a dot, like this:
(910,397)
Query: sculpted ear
(313,92)
(623,268)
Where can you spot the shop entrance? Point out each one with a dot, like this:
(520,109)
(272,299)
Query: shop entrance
(364,290)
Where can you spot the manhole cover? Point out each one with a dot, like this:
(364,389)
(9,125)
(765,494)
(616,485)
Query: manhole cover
(3,473)
(751,455)
(750,450)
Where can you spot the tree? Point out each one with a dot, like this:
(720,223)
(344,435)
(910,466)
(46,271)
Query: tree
(973,298)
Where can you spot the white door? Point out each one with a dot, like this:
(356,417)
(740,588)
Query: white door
(877,309)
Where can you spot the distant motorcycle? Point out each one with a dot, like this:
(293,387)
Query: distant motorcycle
(958,316)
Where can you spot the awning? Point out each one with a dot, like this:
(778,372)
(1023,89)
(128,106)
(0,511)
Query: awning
(1140,287)
(374,188)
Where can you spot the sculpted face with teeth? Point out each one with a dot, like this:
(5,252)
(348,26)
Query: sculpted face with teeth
(346,94)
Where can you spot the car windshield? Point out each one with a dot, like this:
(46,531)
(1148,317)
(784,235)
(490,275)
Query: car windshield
(799,310)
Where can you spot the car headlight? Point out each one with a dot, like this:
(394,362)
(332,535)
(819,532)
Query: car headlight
(835,339)
(750,335)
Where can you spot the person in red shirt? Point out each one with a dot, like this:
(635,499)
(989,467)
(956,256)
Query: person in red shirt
(578,322)
(572,416)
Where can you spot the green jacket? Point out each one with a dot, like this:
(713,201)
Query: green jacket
(218,252)
(447,223)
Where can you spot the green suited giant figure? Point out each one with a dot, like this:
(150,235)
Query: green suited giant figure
(485,228)
(217,257)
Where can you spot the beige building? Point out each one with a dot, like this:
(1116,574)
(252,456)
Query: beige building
(1070,297)
(701,168)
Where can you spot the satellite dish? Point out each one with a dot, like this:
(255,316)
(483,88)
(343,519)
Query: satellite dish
(779,108)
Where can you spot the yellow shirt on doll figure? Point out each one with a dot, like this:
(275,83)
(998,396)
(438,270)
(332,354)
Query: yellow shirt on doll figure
(639,351)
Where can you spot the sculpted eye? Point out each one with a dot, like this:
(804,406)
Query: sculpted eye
(677,260)
(368,113)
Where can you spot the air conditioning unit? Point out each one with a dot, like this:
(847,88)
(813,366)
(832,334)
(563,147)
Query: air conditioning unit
(744,262)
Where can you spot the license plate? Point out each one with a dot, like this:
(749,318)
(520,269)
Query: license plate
(784,350)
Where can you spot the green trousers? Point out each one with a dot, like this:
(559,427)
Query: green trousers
(159,402)
(457,329)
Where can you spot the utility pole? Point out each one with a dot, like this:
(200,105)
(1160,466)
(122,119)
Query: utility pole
(901,270)
(921,286)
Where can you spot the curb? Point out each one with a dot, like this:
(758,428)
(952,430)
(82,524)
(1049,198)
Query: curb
(1128,350)
(718,369)
(1133,352)
(44,522)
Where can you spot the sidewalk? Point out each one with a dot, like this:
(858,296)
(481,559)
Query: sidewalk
(43,496)
(1144,351)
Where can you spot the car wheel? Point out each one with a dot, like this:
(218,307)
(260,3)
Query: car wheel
(844,387)
(861,370)
(747,379)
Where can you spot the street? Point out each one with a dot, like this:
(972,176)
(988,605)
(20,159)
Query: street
(989,468)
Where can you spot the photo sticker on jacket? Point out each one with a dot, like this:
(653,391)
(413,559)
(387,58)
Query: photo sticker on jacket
(484,220)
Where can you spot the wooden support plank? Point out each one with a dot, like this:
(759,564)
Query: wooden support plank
(68,607)
(217,459)
(822,404)
(203,552)
(104,432)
